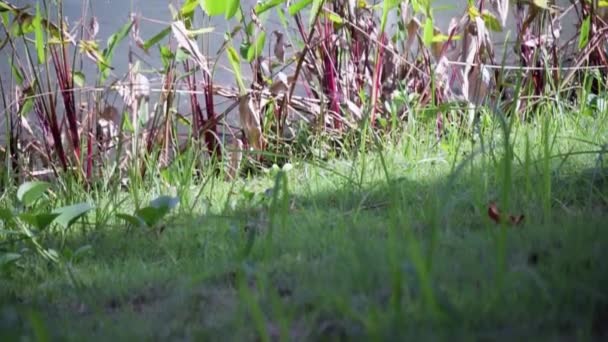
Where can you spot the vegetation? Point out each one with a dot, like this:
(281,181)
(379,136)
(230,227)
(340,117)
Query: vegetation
(384,182)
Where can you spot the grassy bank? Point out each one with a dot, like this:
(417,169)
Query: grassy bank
(424,190)
(391,244)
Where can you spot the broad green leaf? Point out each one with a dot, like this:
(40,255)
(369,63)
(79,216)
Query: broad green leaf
(26,108)
(132,220)
(544,4)
(583,38)
(181,56)
(267,5)
(29,192)
(166,56)
(6,215)
(214,7)
(81,251)
(333,17)
(151,215)
(298,6)
(429,31)
(39,35)
(39,221)
(156,38)
(113,42)
(256,49)
(491,21)
(79,78)
(235,62)
(127,125)
(69,214)
(16,73)
(232,8)
(473,12)
(602,4)
(8,258)
(188,8)
(116,38)
(4,7)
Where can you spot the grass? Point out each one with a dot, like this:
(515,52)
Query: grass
(387,245)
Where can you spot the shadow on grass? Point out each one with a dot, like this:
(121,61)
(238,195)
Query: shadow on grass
(405,260)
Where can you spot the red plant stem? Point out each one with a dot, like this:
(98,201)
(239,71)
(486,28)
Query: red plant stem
(211,131)
(331,85)
(89,159)
(66,86)
(51,121)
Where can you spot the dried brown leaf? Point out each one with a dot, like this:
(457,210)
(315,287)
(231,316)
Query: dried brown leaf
(281,84)
(183,41)
(502,9)
(93,28)
(412,31)
(354,110)
(249,114)
(279,46)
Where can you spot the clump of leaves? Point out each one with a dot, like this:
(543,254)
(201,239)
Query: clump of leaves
(32,219)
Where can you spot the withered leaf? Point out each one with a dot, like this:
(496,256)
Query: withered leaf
(249,114)
(181,35)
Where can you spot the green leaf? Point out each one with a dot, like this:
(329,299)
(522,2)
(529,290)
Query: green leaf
(39,34)
(491,21)
(79,78)
(8,258)
(267,5)
(150,215)
(27,107)
(214,7)
(256,49)
(69,214)
(298,6)
(116,38)
(232,8)
(333,17)
(544,4)
(156,38)
(235,62)
(4,7)
(166,56)
(583,39)
(29,192)
(132,220)
(188,8)
(16,72)
(428,31)
(6,215)
(81,251)
(113,42)
(39,221)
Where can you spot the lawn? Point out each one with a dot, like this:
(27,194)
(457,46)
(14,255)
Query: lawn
(394,244)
